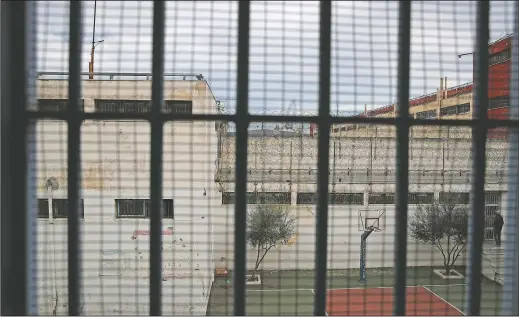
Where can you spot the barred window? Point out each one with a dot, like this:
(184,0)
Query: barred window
(430,114)
(463,108)
(448,111)
(420,198)
(500,57)
(57,104)
(121,106)
(306,198)
(274,198)
(499,102)
(381,198)
(454,110)
(227,198)
(279,198)
(346,198)
(59,208)
(139,208)
(335,198)
(140,106)
(454,198)
(178,106)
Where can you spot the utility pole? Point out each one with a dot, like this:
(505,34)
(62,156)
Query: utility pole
(94,44)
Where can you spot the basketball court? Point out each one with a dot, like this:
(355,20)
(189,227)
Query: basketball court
(422,300)
(364,292)
(378,301)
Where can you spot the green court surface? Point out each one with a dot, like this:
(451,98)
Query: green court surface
(291,293)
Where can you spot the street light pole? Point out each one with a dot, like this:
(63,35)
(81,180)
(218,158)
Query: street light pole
(460,55)
(94,44)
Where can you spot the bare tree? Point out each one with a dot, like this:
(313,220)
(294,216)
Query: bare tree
(445,226)
(268,226)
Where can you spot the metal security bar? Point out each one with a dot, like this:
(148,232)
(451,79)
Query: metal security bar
(157,100)
(18,296)
(323,154)
(74,159)
(402,159)
(242,124)
(479,138)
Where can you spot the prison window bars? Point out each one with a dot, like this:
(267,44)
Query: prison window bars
(18,124)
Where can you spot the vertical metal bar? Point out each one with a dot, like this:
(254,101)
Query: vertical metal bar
(74,159)
(510,300)
(479,138)
(31,165)
(17,182)
(242,124)
(323,157)
(402,157)
(155,212)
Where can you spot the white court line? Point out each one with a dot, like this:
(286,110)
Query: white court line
(325,312)
(444,300)
(331,289)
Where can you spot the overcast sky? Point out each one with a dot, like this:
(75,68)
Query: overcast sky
(201,37)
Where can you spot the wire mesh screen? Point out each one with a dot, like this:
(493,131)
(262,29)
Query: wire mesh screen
(272,158)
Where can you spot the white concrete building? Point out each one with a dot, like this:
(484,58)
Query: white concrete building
(115,189)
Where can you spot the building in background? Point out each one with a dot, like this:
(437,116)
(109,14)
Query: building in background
(455,102)
(115,165)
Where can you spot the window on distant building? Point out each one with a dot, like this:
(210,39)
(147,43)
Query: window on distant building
(500,57)
(335,199)
(454,198)
(306,198)
(463,108)
(178,106)
(389,198)
(346,199)
(455,110)
(111,105)
(420,198)
(498,102)
(140,106)
(274,198)
(139,208)
(56,104)
(59,208)
(430,114)
(381,198)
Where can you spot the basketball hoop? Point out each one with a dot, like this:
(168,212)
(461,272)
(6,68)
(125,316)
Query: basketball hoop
(372,220)
(369,221)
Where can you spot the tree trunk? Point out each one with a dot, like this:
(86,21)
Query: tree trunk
(257,263)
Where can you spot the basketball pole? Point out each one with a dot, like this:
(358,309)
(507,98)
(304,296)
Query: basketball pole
(363,242)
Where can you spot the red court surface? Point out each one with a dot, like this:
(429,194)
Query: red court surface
(379,302)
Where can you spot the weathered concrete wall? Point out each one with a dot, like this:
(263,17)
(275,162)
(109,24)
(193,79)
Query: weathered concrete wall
(116,267)
(116,160)
(377,152)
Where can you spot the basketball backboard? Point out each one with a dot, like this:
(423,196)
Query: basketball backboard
(372,220)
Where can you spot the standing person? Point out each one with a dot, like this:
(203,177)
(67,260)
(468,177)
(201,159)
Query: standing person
(498,226)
